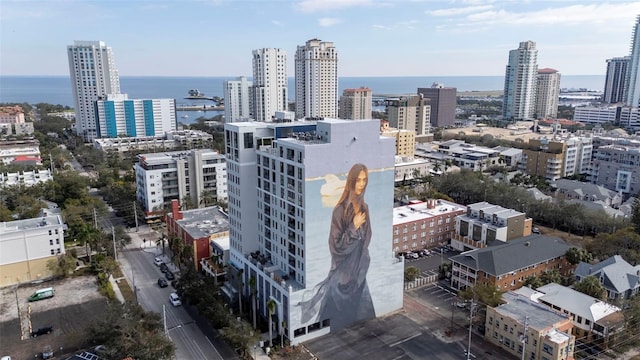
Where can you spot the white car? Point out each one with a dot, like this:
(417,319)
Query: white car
(157,261)
(412,255)
(175,299)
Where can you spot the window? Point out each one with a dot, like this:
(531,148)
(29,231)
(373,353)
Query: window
(50,241)
(547,349)
(52,252)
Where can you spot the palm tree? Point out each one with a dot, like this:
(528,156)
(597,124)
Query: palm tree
(447,164)
(208,197)
(240,289)
(271,308)
(252,285)
(436,167)
(284,325)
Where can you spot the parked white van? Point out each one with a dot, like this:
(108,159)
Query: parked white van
(42,294)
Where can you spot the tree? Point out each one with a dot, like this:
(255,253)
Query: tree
(577,255)
(635,215)
(271,309)
(483,293)
(411,273)
(533,282)
(63,265)
(591,286)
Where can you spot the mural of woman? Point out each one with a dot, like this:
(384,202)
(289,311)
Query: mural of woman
(343,297)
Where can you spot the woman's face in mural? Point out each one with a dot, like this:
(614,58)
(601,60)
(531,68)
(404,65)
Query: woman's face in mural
(361,183)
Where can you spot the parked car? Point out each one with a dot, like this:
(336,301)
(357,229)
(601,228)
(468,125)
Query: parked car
(535,230)
(164,268)
(175,299)
(158,261)
(47,352)
(426,252)
(412,255)
(169,275)
(42,294)
(162,283)
(461,304)
(174,283)
(42,331)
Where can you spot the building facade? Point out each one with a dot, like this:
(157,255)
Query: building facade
(623,116)
(119,116)
(316,80)
(617,168)
(270,91)
(557,157)
(194,177)
(355,104)
(11,115)
(26,246)
(279,237)
(405,139)
(442,101)
(409,113)
(633,76)
(614,84)
(547,92)
(93,75)
(519,99)
(238,99)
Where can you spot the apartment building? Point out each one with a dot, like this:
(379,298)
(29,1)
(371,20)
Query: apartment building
(355,104)
(299,171)
(557,157)
(624,116)
(424,225)
(547,92)
(411,112)
(11,115)
(442,102)
(316,80)
(117,115)
(614,85)
(194,177)
(520,83)
(483,224)
(470,156)
(24,151)
(617,167)
(270,88)
(197,228)
(405,139)
(25,178)
(238,99)
(26,246)
(529,330)
(506,266)
(169,141)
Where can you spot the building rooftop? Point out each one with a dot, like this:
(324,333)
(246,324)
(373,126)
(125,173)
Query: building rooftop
(29,224)
(539,317)
(617,274)
(201,223)
(584,189)
(575,302)
(422,211)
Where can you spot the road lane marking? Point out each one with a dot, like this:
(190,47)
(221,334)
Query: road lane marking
(405,340)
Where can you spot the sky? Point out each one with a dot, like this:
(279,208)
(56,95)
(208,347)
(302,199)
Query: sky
(372,37)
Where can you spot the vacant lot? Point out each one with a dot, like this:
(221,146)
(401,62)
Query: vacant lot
(75,303)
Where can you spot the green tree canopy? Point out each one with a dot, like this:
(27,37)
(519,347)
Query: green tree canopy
(591,286)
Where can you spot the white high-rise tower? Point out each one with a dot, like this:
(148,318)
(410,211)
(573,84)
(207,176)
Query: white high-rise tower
(270,91)
(633,82)
(520,82)
(316,80)
(93,75)
(548,90)
(238,99)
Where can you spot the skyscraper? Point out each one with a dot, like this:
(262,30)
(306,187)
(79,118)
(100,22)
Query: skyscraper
(355,104)
(330,179)
(270,91)
(547,92)
(633,77)
(614,85)
(520,82)
(409,113)
(443,102)
(316,66)
(238,99)
(93,75)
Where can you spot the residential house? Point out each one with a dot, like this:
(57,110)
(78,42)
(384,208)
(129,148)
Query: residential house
(619,278)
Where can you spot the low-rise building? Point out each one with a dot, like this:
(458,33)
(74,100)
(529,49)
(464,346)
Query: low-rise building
(529,330)
(16,128)
(619,278)
(424,225)
(11,114)
(507,266)
(188,139)
(25,178)
(26,246)
(405,139)
(617,167)
(24,151)
(623,116)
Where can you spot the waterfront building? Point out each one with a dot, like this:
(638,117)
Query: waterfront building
(316,80)
(238,99)
(624,116)
(270,91)
(194,177)
(614,84)
(547,92)
(117,115)
(526,329)
(279,238)
(355,104)
(27,246)
(424,225)
(520,83)
(410,112)
(93,75)
(633,76)
(442,102)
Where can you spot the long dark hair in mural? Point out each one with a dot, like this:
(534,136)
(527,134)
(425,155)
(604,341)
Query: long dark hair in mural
(343,296)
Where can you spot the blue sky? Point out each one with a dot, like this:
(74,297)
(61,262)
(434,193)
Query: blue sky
(373,38)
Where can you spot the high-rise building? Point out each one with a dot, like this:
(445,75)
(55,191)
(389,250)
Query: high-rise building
(238,99)
(633,77)
(443,102)
(270,91)
(117,116)
(93,75)
(409,113)
(309,206)
(520,82)
(316,67)
(614,85)
(547,92)
(355,104)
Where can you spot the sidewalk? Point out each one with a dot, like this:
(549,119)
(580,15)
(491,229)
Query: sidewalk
(116,289)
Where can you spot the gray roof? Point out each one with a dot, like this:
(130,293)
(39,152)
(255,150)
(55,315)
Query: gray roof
(585,189)
(538,195)
(576,302)
(204,222)
(597,206)
(503,258)
(539,317)
(618,275)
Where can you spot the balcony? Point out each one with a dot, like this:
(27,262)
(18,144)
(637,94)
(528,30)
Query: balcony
(468,241)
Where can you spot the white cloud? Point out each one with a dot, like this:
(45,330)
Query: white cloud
(276,23)
(459,11)
(324,5)
(327,22)
(381,27)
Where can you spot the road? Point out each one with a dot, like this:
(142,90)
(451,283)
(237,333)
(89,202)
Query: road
(137,266)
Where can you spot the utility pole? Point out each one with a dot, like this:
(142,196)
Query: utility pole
(164,320)
(135,215)
(115,253)
(471,310)
(524,335)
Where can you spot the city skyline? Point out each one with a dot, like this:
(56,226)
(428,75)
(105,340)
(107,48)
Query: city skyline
(375,38)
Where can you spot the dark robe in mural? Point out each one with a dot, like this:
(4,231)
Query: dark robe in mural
(344,295)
